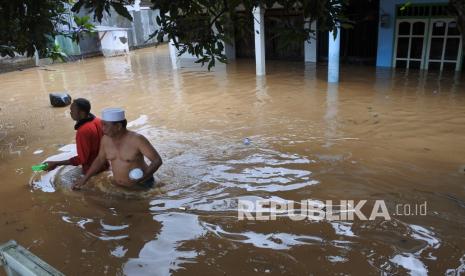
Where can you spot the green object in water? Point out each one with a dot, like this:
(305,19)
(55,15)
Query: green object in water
(40,167)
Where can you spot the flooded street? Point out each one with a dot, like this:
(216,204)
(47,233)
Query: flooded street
(378,135)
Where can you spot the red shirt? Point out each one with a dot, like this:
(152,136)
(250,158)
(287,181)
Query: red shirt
(88,138)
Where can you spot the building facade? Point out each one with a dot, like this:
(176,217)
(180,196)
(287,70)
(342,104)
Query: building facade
(420,35)
(416,34)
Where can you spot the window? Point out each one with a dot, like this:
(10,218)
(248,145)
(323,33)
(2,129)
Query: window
(410,41)
(445,45)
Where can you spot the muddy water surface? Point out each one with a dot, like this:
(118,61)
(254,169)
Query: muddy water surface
(378,135)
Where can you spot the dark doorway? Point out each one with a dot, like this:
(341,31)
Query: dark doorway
(358,44)
(277,47)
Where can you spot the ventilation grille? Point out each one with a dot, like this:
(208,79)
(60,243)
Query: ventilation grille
(422,10)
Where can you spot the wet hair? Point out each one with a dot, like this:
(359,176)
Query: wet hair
(123,123)
(82,104)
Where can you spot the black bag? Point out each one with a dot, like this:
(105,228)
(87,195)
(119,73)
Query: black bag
(60,99)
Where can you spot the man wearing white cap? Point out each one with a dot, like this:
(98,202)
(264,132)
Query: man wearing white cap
(125,150)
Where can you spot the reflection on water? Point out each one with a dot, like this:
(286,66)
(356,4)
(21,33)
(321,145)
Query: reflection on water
(379,134)
(331,114)
(165,254)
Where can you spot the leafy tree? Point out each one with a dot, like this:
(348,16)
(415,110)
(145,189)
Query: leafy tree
(99,7)
(29,25)
(83,25)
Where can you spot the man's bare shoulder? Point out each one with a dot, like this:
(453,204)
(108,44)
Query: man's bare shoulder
(132,136)
(139,138)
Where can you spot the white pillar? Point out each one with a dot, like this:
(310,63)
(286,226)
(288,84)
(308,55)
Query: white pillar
(259,30)
(333,55)
(173,55)
(134,7)
(36,58)
(310,46)
(137,5)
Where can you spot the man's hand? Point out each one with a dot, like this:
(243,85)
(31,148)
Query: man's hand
(78,184)
(51,165)
(134,182)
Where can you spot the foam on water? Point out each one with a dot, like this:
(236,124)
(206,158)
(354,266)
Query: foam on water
(272,158)
(343,228)
(108,227)
(219,202)
(119,251)
(421,233)
(44,181)
(142,120)
(337,259)
(100,231)
(460,270)
(277,241)
(421,245)
(410,262)
(271,179)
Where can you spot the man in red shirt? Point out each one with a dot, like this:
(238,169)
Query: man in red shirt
(88,135)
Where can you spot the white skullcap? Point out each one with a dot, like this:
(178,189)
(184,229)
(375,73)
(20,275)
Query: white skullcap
(113,114)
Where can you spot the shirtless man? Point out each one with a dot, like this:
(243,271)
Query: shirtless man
(125,150)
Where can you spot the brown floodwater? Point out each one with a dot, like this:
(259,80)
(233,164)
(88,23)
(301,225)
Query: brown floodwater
(379,135)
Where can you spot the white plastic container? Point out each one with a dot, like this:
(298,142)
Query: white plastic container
(136,174)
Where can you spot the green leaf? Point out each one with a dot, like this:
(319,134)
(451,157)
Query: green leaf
(406,5)
(347,25)
(56,53)
(121,10)
(211,64)
(77,6)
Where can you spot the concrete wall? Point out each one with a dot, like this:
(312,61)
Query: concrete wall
(386,34)
(18,62)
(142,26)
(139,30)
(113,41)
(89,44)
(68,45)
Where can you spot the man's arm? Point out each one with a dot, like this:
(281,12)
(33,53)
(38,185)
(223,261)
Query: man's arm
(51,165)
(83,139)
(151,153)
(95,168)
